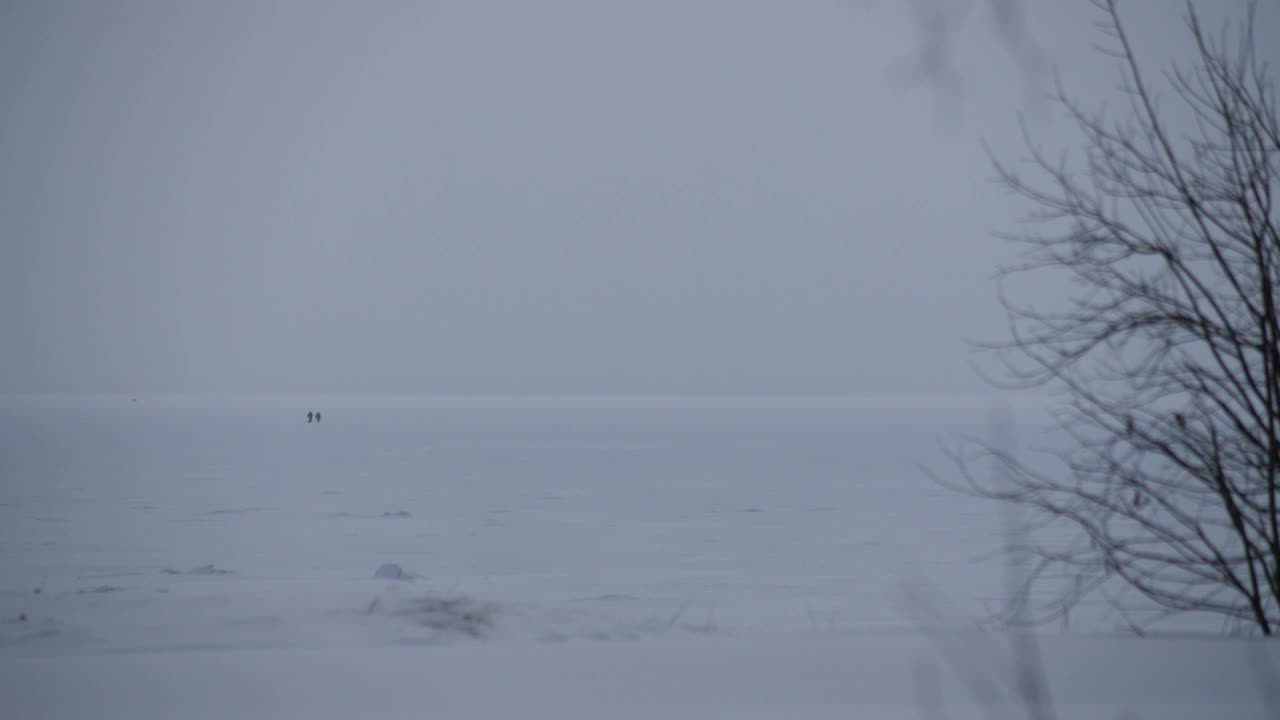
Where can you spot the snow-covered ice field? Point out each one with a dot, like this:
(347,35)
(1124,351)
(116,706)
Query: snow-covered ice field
(539,557)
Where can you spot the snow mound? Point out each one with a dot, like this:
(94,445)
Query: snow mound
(208,570)
(436,618)
(444,618)
(391,571)
(100,589)
(202,570)
(460,615)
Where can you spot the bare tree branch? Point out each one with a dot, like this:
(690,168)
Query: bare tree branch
(1167,352)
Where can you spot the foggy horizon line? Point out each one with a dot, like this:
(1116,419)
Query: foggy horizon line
(995,396)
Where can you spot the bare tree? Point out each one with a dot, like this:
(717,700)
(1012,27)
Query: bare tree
(1167,350)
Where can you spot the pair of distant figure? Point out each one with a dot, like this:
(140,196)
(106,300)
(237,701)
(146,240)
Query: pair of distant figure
(313,415)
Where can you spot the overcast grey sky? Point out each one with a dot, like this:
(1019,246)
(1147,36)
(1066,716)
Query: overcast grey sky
(488,196)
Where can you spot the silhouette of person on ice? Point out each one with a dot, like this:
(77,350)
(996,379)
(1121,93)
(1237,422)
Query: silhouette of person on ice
(309,415)
(317,416)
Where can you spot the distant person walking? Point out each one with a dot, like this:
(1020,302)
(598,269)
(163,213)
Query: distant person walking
(310,415)
(317,416)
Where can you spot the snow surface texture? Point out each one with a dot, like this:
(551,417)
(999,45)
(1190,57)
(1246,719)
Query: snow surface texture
(480,558)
